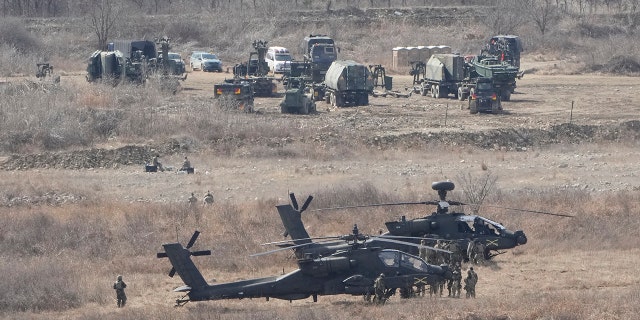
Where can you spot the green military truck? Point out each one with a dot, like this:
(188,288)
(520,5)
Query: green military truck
(236,95)
(348,83)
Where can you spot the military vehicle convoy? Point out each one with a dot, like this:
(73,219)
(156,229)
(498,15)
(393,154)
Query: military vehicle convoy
(348,83)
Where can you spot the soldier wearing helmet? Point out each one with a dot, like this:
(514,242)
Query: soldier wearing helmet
(119,286)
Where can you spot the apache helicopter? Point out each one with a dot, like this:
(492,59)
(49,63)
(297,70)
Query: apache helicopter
(343,272)
(453,226)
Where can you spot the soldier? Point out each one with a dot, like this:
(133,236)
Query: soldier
(423,250)
(186,165)
(478,257)
(208,198)
(192,200)
(380,289)
(157,164)
(470,283)
(456,285)
(119,286)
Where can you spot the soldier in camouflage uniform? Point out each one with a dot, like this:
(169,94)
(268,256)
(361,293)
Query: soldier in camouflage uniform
(119,286)
(470,283)
(456,283)
(380,289)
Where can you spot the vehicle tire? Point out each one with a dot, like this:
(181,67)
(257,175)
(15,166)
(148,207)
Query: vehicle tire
(461,96)
(433,91)
(313,108)
(436,93)
(305,108)
(327,98)
(506,95)
(332,98)
(423,90)
(339,101)
(363,100)
(495,107)
(473,106)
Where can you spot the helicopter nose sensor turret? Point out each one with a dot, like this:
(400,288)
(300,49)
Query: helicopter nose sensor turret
(520,237)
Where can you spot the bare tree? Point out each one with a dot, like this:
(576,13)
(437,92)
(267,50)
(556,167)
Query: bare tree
(476,189)
(505,17)
(543,13)
(103,20)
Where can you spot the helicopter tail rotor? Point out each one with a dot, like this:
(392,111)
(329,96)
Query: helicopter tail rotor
(190,244)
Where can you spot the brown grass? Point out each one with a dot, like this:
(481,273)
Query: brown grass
(60,258)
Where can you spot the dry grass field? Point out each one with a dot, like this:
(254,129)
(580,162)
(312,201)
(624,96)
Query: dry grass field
(77,209)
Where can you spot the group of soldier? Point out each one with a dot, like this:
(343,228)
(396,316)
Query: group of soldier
(206,200)
(474,254)
(186,164)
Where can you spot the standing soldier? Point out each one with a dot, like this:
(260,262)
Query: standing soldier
(470,283)
(380,289)
(456,286)
(192,200)
(119,286)
(157,163)
(208,198)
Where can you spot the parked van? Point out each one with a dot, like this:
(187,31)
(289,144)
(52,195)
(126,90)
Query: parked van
(278,59)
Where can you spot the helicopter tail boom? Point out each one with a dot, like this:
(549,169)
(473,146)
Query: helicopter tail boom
(180,259)
(292,221)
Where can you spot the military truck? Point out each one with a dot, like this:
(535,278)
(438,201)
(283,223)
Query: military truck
(297,98)
(483,97)
(319,51)
(348,83)
(255,70)
(238,95)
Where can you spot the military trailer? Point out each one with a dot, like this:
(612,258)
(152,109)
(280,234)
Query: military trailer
(236,95)
(348,83)
(105,65)
(442,74)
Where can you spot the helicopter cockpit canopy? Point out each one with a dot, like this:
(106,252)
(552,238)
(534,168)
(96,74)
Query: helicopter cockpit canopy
(480,225)
(394,258)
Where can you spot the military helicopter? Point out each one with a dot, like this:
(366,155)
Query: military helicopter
(453,226)
(343,272)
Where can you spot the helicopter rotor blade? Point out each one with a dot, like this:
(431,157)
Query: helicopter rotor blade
(294,202)
(280,249)
(378,205)
(531,211)
(408,244)
(291,241)
(193,239)
(306,204)
(201,253)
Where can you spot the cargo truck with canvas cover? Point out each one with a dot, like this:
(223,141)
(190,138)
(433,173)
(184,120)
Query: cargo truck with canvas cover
(348,83)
